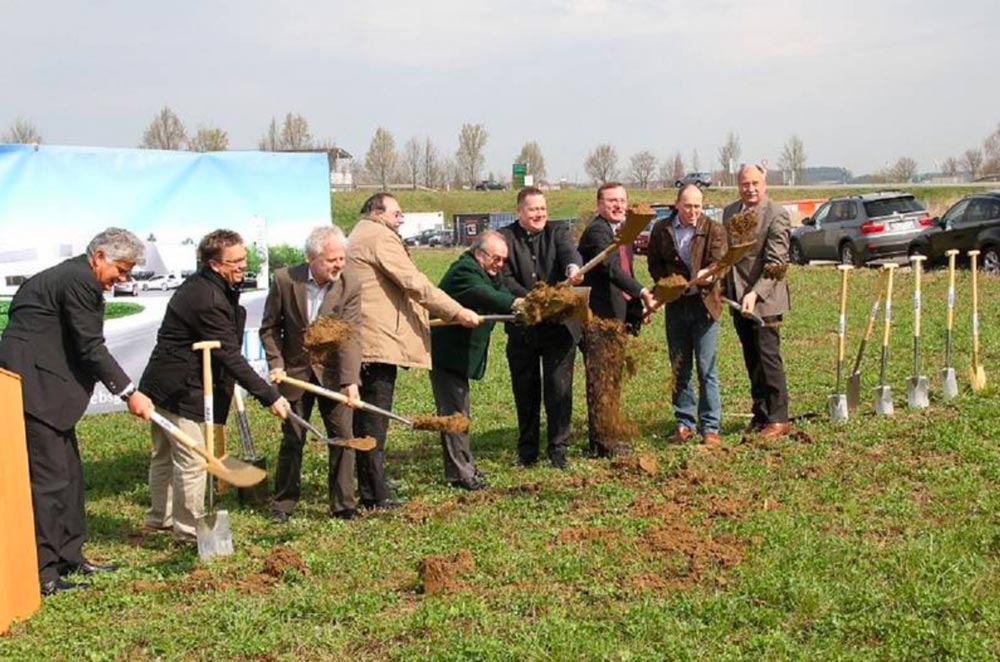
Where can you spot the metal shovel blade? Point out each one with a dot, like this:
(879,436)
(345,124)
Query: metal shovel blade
(883,401)
(214,535)
(977,377)
(949,384)
(916,393)
(853,392)
(838,407)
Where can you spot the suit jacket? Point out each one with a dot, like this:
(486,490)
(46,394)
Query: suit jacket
(283,328)
(771,247)
(456,348)
(204,307)
(707,247)
(55,342)
(609,279)
(395,297)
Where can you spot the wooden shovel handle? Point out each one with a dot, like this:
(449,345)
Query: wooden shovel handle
(916,263)
(842,320)
(184,438)
(951,253)
(340,397)
(974,264)
(890,268)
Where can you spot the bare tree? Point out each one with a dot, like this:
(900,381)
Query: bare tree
(165,132)
(972,161)
(381,159)
(602,164)
(209,139)
(677,167)
(729,153)
(695,161)
(291,134)
(23,132)
(410,162)
(793,158)
(430,164)
(531,154)
(642,166)
(271,141)
(991,152)
(469,156)
(950,167)
(903,170)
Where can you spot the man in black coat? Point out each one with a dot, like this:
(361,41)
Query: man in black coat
(540,357)
(205,307)
(55,342)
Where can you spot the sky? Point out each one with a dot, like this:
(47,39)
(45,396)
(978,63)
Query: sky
(861,83)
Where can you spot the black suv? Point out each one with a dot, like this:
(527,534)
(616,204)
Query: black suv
(858,228)
(972,222)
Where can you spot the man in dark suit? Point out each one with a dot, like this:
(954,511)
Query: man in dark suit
(205,307)
(614,294)
(767,297)
(540,357)
(298,296)
(458,354)
(55,342)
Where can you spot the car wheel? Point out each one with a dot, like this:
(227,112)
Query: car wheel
(848,255)
(991,260)
(796,255)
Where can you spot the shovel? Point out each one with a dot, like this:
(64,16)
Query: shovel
(838,400)
(229,469)
(638,216)
(212,530)
(883,392)
(256,495)
(949,383)
(977,376)
(854,379)
(340,397)
(356,444)
(916,385)
(485,318)
(738,308)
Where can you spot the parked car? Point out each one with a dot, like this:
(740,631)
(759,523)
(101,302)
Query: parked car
(128,287)
(442,238)
(163,282)
(249,281)
(490,185)
(699,179)
(972,222)
(859,228)
(422,238)
(640,245)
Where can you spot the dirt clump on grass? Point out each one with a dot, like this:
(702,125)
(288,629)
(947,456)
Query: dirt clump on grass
(282,559)
(643,464)
(454,423)
(440,574)
(325,336)
(553,304)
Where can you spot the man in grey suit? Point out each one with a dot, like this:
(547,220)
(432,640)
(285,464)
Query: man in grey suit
(767,297)
(298,295)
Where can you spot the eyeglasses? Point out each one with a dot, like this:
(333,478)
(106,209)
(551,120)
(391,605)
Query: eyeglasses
(234,263)
(397,214)
(494,259)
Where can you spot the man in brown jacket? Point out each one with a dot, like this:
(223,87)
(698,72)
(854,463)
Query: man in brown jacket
(747,283)
(298,295)
(687,244)
(395,300)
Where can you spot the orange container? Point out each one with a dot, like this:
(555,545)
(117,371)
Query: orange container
(19,590)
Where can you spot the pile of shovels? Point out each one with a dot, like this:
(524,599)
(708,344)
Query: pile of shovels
(843,403)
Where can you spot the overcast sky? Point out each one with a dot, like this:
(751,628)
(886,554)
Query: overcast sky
(862,83)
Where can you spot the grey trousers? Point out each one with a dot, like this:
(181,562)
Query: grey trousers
(451,395)
(176,479)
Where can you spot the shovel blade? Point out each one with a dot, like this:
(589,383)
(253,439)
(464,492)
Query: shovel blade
(853,392)
(949,384)
(883,401)
(977,377)
(838,407)
(917,393)
(214,535)
(236,472)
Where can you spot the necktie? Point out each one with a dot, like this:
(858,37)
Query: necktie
(626,267)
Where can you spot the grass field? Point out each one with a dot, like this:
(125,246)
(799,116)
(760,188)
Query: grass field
(874,540)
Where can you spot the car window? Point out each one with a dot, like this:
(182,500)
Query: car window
(955,214)
(821,213)
(982,209)
(840,211)
(886,206)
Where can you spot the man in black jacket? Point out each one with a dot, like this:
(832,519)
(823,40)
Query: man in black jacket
(540,357)
(205,307)
(55,342)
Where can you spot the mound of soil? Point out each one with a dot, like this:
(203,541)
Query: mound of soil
(283,558)
(453,423)
(644,464)
(439,574)
(325,336)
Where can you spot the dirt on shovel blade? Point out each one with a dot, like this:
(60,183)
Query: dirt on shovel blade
(553,304)
(361,443)
(325,336)
(454,423)
(670,288)
(742,227)
(775,271)
(439,574)
(608,363)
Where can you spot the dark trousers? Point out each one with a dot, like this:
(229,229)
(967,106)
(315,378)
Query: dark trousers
(762,357)
(378,384)
(541,367)
(56,496)
(451,396)
(340,474)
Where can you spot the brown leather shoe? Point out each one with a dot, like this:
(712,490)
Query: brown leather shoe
(775,430)
(680,435)
(711,438)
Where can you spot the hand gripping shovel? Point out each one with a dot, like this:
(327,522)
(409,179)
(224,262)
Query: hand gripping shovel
(949,383)
(638,216)
(212,530)
(356,444)
(916,385)
(977,376)
(257,494)
(838,400)
(854,379)
(883,392)
(340,397)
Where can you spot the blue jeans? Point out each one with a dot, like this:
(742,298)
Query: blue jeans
(692,338)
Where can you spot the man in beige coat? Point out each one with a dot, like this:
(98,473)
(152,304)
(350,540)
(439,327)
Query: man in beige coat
(395,300)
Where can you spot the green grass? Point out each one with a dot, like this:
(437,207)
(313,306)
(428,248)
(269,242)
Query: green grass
(111,311)
(876,540)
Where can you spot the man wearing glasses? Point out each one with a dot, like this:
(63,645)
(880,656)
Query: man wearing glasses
(394,330)
(459,354)
(205,307)
(55,342)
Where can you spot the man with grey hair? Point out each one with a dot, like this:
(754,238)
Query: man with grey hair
(297,297)
(55,342)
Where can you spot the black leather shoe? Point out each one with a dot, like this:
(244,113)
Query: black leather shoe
(280,517)
(345,514)
(559,461)
(386,504)
(85,568)
(473,484)
(523,461)
(54,586)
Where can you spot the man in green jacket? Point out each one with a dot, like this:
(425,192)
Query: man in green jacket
(459,353)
